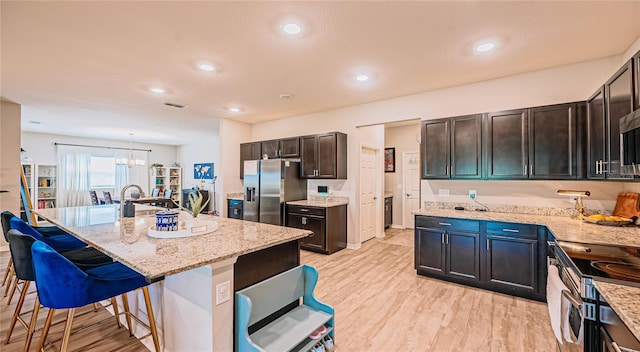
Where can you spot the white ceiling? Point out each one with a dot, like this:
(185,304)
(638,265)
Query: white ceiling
(83,68)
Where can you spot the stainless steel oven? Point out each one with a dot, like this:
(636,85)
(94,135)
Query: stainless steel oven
(581,264)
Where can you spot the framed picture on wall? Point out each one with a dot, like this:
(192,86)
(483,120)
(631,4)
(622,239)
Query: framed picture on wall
(203,171)
(389,159)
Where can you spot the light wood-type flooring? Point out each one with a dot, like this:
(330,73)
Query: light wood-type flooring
(381,305)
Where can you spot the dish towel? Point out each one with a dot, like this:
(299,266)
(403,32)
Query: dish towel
(555,286)
(572,322)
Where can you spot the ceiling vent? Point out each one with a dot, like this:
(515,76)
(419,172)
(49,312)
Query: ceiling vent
(175,105)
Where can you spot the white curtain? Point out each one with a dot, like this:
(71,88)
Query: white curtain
(73,186)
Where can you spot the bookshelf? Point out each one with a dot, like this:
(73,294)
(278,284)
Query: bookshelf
(163,178)
(45,185)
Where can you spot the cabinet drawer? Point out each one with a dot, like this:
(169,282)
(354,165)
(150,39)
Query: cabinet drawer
(512,229)
(448,223)
(298,209)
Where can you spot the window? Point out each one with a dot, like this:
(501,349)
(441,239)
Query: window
(102,172)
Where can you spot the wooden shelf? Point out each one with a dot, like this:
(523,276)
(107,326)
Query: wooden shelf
(290,329)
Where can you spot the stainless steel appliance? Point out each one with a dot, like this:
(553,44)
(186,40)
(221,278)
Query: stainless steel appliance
(268,184)
(630,144)
(579,264)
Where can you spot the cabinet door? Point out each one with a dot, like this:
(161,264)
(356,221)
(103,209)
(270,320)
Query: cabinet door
(249,151)
(466,147)
(435,149)
(271,148)
(512,263)
(463,255)
(636,79)
(314,224)
(308,156)
(618,102)
(507,155)
(290,147)
(596,127)
(552,142)
(327,156)
(429,248)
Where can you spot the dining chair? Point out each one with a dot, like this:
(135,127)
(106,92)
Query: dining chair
(94,198)
(107,197)
(63,285)
(167,193)
(155,192)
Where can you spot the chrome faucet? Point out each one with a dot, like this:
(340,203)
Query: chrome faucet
(124,189)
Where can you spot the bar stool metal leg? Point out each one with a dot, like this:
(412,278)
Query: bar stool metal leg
(16,313)
(152,319)
(127,315)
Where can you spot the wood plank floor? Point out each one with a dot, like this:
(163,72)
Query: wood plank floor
(381,305)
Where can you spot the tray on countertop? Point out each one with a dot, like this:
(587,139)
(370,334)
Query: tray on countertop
(608,222)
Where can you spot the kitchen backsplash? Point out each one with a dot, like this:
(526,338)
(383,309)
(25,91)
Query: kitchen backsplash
(508,208)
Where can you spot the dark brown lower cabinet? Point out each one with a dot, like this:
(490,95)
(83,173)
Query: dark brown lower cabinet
(450,253)
(327,224)
(499,256)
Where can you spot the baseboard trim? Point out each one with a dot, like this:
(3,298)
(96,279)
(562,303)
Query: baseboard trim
(393,226)
(354,246)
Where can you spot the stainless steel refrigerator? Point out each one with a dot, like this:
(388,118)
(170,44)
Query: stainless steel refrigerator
(268,184)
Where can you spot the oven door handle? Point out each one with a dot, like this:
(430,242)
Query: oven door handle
(574,301)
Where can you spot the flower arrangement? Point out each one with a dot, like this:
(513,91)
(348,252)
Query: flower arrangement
(196,204)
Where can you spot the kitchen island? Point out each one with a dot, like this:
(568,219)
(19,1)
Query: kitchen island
(193,277)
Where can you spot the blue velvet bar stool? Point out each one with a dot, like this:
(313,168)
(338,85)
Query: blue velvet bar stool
(60,242)
(20,246)
(63,285)
(55,236)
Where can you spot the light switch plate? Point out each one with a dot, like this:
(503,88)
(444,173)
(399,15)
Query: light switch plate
(223,292)
(443,192)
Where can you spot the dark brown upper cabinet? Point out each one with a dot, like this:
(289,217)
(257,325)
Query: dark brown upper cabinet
(451,148)
(596,139)
(536,143)
(552,142)
(249,151)
(636,78)
(282,148)
(324,156)
(506,144)
(618,103)
(435,148)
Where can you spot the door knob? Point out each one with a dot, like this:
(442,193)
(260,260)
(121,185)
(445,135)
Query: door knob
(408,195)
(374,198)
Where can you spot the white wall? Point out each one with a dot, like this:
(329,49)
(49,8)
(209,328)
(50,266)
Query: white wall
(9,160)
(204,149)
(232,133)
(550,86)
(402,138)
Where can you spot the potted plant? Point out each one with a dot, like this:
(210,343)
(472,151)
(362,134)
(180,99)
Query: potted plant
(195,200)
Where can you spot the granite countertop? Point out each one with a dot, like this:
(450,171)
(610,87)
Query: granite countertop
(126,239)
(320,203)
(235,195)
(562,227)
(624,301)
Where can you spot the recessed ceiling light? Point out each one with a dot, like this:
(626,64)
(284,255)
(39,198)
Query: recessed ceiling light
(482,48)
(292,28)
(158,90)
(34,122)
(234,109)
(362,78)
(206,67)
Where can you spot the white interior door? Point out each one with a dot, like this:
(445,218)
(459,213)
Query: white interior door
(411,186)
(367,194)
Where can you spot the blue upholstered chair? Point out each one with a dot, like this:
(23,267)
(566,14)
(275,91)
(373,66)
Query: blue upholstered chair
(20,246)
(60,242)
(63,285)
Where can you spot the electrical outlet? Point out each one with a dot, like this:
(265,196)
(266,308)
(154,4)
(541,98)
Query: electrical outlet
(223,292)
(443,192)
(472,193)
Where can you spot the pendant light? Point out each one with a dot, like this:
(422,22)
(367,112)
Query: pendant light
(131,162)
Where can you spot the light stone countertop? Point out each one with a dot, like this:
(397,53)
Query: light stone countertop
(320,203)
(235,195)
(562,227)
(624,301)
(126,240)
